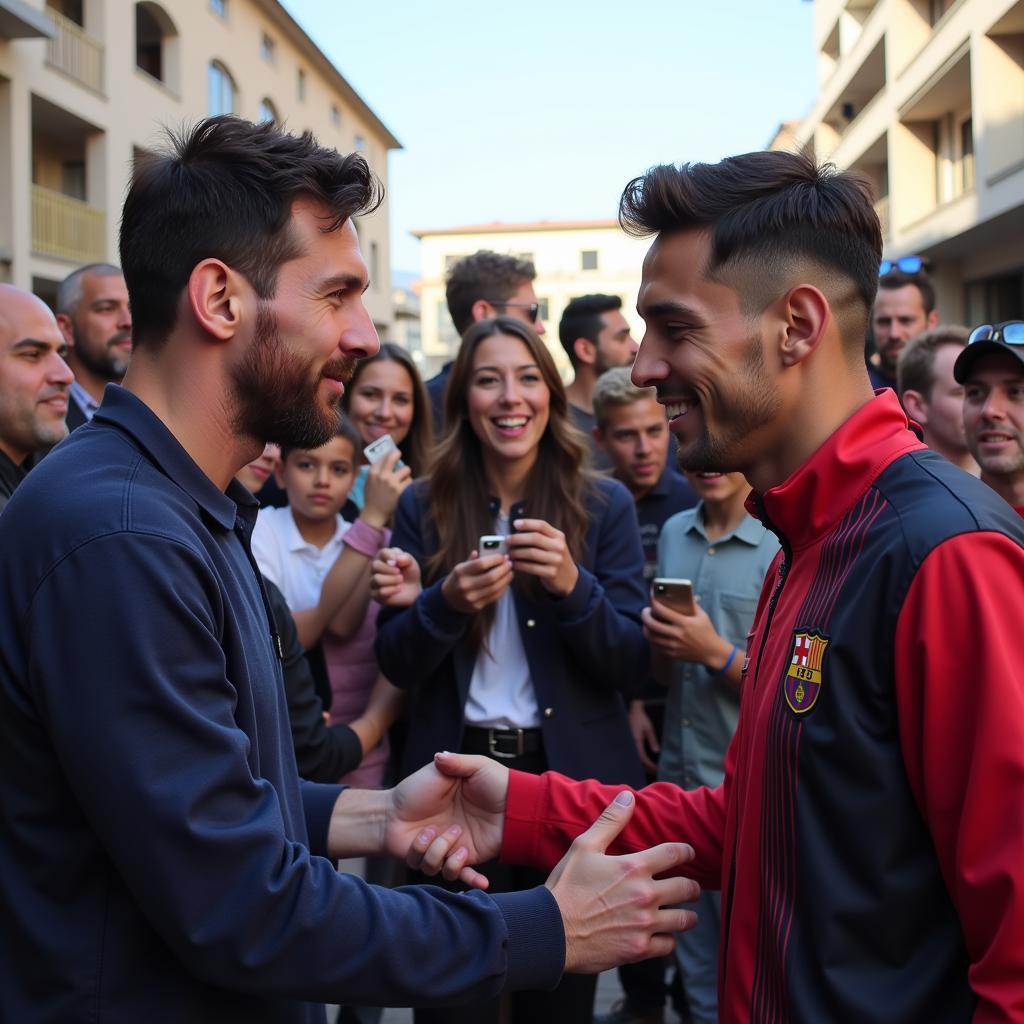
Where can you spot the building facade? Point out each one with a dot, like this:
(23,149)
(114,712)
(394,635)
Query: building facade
(926,99)
(86,86)
(571,257)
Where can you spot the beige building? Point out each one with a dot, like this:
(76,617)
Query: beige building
(85,85)
(926,98)
(572,258)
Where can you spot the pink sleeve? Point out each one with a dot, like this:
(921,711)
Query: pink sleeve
(960,699)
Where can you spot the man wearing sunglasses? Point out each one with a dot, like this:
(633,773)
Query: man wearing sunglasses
(991,369)
(904,308)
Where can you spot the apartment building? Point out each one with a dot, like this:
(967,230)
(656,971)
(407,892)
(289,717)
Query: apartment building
(86,85)
(572,258)
(926,98)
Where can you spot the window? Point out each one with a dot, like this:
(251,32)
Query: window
(300,84)
(219,7)
(360,143)
(220,90)
(156,41)
(967,153)
(267,48)
(335,115)
(268,112)
(588,259)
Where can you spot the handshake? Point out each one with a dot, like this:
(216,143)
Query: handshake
(450,815)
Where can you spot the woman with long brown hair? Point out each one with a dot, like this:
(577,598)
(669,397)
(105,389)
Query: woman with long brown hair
(525,654)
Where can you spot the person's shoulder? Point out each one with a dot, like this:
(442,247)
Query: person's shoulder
(679,522)
(608,495)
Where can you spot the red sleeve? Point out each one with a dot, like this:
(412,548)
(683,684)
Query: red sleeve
(960,698)
(546,812)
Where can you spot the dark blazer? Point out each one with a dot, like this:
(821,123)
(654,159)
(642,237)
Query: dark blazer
(586,652)
(75,418)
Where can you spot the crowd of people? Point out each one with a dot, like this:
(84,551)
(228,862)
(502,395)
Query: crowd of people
(272,560)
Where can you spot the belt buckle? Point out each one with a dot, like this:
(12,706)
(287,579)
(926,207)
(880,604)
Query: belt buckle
(492,739)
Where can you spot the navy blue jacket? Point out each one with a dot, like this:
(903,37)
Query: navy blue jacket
(159,857)
(585,651)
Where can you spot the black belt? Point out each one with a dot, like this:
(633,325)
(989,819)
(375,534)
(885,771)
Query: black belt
(504,742)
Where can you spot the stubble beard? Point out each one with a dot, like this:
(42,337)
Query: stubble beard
(108,362)
(276,391)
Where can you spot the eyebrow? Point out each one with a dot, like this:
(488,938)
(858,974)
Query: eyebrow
(668,307)
(345,281)
(497,369)
(39,346)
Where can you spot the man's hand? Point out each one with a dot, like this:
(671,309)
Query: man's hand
(474,584)
(612,907)
(684,637)
(644,735)
(395,578)
(449,815)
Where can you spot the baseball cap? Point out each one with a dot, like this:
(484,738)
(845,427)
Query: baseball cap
(983,340)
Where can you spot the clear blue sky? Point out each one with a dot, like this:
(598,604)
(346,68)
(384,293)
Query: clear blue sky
(544,110)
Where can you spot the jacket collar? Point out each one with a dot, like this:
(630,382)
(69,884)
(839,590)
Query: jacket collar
(123,410)
(820,492)
(517,511)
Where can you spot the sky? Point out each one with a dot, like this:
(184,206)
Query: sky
(544,110)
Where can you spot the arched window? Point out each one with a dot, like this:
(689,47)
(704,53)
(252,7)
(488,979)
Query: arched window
(156,40)
(220,90)
(268,112)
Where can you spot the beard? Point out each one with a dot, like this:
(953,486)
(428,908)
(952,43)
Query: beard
(277,392)
(109,362)
(749,403)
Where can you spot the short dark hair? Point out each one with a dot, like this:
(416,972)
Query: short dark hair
(765,211)
(225,189)
(915,370)
(581,318)
(344,429)
(484,275)
(897,279)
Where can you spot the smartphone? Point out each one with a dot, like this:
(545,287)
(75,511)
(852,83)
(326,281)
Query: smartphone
(677,594)
(492,544)
(380,449)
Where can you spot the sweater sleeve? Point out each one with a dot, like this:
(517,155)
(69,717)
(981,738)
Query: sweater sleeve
(960,699)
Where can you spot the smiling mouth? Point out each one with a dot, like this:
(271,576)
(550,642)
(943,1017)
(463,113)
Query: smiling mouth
(511,422)
(679,408)
(995,437)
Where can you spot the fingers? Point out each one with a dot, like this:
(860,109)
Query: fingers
(460,766)
(660,859)
(610,822)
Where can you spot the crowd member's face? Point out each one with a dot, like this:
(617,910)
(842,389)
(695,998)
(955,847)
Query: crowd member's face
(719,487)
(101,326)
(944,408)
(517,306)
(898,316)
(706,359)
(635,436)
(307,339)
(994,414)
(256,474)
(615,344)
(508,400)
(382,401)
(318,480)
(34,379)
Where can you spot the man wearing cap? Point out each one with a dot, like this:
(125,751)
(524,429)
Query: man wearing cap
(991,369)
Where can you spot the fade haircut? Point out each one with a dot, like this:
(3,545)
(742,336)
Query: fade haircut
(224,190)
(581,318)
(897,279)
(615,388)
(915,370)
(484,275)
(771,217)
(69,291)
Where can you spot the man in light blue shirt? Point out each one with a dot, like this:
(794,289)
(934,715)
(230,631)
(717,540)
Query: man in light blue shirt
(726,554)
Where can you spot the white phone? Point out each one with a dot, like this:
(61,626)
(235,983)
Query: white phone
(380,449)
(492,544)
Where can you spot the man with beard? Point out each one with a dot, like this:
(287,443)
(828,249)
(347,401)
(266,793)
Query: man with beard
(160,859)
(904,308)
(95,318)
(868,836)
(34,381)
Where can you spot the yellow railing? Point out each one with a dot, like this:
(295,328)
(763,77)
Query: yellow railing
(66,228)
(882,209)
(74,51)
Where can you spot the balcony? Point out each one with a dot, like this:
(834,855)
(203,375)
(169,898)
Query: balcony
(66,228)
(75,52)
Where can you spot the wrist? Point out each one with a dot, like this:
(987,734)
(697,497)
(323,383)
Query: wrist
(374,518)
(721,664)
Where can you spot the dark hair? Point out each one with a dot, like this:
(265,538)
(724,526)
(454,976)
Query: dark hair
(345,430)
(458,496)
(484,275)
(764,212)
(417,444)
(581,318)
(225,190)
(897,279)
(915,370)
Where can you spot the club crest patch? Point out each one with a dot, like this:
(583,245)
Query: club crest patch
(803,677)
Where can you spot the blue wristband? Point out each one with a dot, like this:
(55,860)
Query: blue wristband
(729,661)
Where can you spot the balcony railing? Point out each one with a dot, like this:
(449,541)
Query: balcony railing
(882,209)
(66,228)
(74,51)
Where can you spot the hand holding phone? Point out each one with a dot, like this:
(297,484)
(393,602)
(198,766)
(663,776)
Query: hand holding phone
(676,593)
(381,448)
(492,544)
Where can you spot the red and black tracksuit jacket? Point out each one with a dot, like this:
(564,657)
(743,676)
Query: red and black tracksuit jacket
(869,836)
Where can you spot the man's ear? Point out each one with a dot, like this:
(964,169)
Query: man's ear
(933,319)
(482,310)
(916,406)
(585,351)
(64,323)
(215,299)
(806,313)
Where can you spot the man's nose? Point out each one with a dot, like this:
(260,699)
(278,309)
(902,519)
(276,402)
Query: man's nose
(648,369)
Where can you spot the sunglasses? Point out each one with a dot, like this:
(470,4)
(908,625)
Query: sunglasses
(904,265)
(1009,333)
(532,308)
